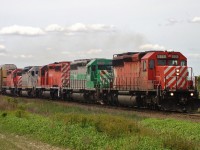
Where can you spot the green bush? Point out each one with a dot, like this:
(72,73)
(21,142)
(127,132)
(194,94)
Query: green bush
(111,125)
(4,114)
(89,128)
(176,134)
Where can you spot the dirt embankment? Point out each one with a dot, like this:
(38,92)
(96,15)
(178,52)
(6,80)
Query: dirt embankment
(15,142)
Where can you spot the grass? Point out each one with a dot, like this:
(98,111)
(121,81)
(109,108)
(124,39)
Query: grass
(175,134)
(93,128)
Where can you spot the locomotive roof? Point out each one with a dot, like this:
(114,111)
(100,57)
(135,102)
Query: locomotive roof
(8,66)
(15,70)
(100,61)
(126,53)
(150,53)
(81,61)
(27,68)
(60,62)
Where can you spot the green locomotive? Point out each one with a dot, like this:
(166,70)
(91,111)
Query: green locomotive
(91,73)
(88,76)
(99,73)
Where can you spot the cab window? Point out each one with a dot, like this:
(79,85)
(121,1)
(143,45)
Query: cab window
(93,68)
(151,64)
(32,73)
(144,66)
(14,75)
(183,63)
(58,68)
(19,74)
(104,67)
(162,62)
(172,62)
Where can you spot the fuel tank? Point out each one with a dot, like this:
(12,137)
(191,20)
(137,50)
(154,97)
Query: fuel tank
(9,92)
(46,94)
(127,100)
(78,97)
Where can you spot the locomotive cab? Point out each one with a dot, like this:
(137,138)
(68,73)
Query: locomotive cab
(168,70)
(78,73)
(99,73)
(13,81)
(29,80)
(52,78)
(172,79)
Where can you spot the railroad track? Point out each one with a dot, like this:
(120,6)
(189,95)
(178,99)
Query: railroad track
(143,112)
(195,115)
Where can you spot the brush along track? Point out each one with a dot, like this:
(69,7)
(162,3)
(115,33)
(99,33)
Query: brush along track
(141,112)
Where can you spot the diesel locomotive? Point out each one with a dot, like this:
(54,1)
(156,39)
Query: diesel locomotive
(151,79)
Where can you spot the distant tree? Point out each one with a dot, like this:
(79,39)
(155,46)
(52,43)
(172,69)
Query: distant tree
(198,83)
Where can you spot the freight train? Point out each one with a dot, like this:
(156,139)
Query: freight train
(151,79)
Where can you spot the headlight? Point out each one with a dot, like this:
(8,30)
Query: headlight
(172,94)
(177,72)
(191,94)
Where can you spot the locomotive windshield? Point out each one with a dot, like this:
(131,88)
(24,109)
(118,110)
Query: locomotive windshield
(162,62)
(19,74)
(171,62)
(183,63)
(104,67)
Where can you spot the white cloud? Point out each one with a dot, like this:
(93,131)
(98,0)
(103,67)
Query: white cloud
(2,40)
(77,27)
(196,20)
(94,51)
(49,49)
(70,34)
(22,56)
(194,56)
(2,50)
(68,30)
(3,54)
(80,27)
(89,52)
(2,47)
(65,52)
(54,28)
(151,47)
(172,21)
(22,30)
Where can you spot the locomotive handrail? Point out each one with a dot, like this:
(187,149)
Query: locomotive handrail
(133,83)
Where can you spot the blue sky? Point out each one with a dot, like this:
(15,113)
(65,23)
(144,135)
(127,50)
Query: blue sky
(38,32)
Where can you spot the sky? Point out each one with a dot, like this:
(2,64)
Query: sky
(39,32)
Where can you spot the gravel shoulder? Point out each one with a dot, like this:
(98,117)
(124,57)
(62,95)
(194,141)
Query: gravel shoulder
(15,142)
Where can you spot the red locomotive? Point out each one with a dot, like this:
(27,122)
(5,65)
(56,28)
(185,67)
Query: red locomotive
(52,79)
(13,81)
(158,79)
